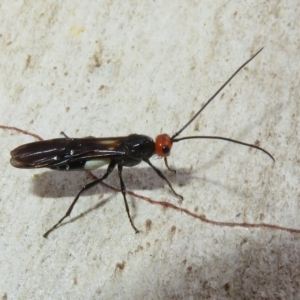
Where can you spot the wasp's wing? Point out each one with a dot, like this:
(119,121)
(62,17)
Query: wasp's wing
(64,154)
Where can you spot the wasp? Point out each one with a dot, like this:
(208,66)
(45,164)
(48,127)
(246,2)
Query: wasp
(89,153)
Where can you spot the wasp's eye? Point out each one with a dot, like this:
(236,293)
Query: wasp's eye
(166,150)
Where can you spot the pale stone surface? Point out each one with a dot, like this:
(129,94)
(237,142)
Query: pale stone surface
(110,68)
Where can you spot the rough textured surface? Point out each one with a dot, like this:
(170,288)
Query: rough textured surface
(110,68)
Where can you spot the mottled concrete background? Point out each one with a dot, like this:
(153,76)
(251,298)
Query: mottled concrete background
(110,68)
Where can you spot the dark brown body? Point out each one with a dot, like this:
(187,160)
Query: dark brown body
(73,154)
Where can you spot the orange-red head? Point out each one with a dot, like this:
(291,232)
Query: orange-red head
(163,145)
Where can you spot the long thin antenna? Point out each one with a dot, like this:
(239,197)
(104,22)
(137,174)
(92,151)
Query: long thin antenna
(224,139)
(215,94)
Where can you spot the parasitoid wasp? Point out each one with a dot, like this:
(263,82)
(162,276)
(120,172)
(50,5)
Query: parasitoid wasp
(68,154)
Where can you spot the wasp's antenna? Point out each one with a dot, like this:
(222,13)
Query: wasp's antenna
(224,139)
(216,93)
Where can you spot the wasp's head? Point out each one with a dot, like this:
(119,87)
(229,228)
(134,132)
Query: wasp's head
(163,145)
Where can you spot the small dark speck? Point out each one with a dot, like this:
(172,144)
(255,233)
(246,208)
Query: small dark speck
(192,113)
(66,73)
(244,241)
(189,269)
(235,13)
(28,60)
(75,282)
(54,68)
(173,229)
(98,291)
(139,248)
(237,215)
(67,108)
(120,266)
(101,87)
(203,216)
(4,296)
(257,143)
(148,224)
(97,60)
(227,287)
